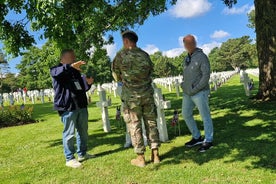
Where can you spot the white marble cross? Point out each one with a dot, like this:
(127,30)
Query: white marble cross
(170,86)
(24,97)
(11,98)
(42,95)
(161,121)
(32,95)
(177,88)
(114,88)
(103,104)
(244,78)
(16,96)
(215,82)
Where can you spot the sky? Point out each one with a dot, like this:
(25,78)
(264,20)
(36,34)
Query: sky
(210,21)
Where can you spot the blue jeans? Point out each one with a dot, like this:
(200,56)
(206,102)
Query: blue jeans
(77,119)
(201,101)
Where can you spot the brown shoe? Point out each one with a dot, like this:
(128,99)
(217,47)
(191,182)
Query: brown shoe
(139,161)
(155,156)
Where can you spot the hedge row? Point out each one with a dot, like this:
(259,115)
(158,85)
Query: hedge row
(16,115)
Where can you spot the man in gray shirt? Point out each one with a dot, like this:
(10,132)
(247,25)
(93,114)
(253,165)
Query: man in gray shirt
(196,75)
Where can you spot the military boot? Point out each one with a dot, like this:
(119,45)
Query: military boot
(155,156)
(139,161)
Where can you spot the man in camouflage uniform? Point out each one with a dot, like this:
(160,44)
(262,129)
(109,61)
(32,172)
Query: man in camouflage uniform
(133,67)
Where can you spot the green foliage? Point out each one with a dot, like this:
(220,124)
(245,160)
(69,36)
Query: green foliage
(99,67)
(165,66)
(35,65)
(251,19)
(178,63)
(9,83)
(14,115)
(234,53)
(216,62)
(229,3)
(70,23)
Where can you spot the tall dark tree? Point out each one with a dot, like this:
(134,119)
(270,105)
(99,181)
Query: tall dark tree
(265,23)
(163,65)
(4,69)
(234,52)
(35,64)
(251,19)
(216,61)
(178,63)
(99,68)
(10,83)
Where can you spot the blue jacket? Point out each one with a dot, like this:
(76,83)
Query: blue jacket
(70,88)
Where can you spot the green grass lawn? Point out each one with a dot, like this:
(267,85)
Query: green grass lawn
(244,152)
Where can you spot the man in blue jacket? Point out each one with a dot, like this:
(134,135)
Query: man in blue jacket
(196,75)
(71,103)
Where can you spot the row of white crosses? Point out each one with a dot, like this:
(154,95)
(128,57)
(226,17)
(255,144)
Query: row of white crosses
(20,97)
(216,80)
(169,83)
(111,88)
(253,71)
(219,78)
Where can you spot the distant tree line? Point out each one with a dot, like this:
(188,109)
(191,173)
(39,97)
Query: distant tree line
(232,53)
(36,62)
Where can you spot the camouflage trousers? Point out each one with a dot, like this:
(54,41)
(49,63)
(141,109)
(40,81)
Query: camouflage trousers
(134,110)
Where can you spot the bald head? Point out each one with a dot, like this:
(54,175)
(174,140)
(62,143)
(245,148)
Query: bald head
(189,43)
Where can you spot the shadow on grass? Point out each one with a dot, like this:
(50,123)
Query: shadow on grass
(42,110)
(99,138)
(251,136)
(93,120)
(238,135)
(107,139)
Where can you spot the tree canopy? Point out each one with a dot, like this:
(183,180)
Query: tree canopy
(234,53)
(84,23)
(36,62)
(72,24)
(35,65)
(165,66)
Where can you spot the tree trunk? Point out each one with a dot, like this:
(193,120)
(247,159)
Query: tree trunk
(266,47)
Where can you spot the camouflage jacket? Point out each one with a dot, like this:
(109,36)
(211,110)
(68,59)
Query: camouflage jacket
(133,67)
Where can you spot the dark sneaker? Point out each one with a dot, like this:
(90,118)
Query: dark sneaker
(205,146)
(194,142)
